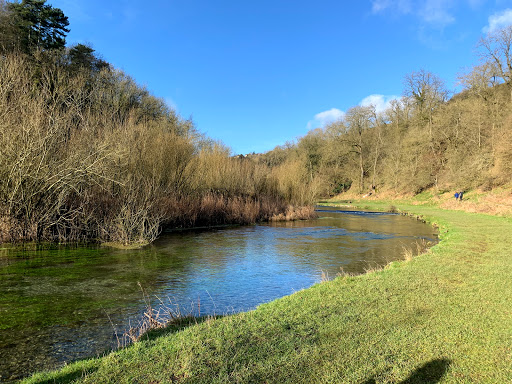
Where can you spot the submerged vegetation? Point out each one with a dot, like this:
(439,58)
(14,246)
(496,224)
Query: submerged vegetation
(440,317)
(87,154)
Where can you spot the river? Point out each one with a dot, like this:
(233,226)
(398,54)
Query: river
(61,303)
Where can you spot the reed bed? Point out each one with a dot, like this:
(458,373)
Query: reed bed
(88,155)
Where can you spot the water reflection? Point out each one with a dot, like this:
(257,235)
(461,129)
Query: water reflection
(64,303)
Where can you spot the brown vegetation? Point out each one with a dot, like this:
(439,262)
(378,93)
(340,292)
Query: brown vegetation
(497,202)
(86,154)
(169,315)
(423,141)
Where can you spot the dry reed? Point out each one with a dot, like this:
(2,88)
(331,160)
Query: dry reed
(167,314)
(94,157)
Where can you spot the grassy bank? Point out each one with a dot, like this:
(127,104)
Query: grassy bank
(444,316)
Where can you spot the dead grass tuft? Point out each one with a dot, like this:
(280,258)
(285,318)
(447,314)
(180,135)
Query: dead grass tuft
(295,213)
(407,253)
(421,246)
(167,314)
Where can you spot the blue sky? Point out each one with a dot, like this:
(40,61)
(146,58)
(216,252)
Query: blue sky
(255,74)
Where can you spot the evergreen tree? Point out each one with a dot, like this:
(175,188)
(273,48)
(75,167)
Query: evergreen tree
(82,56)
(31,25)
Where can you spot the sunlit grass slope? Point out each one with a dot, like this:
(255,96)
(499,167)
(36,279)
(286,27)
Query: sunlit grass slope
(445,316)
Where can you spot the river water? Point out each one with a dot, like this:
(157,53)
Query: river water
(58,304)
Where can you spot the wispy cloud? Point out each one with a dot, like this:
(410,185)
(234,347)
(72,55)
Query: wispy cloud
(437,12)
(400,6)
(475,3)
(498,20)
(170,103)
(326,117)
(433,13)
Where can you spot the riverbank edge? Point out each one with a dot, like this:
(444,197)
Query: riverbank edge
(291,213)
(259,354)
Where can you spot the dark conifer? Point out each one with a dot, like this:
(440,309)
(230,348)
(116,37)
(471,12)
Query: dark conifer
(32,25)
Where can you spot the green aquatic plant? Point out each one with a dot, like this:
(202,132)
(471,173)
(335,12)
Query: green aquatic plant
(441,316)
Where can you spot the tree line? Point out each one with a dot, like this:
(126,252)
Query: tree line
(425,140)
(88,154)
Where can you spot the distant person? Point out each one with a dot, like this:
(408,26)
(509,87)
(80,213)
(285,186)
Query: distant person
(456,195)
(461,194)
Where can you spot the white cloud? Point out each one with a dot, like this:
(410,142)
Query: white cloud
(330,115)
(326,117)
(380,102)
(379,5)
(498,20)
(475,3)
(400,6)
(436,12)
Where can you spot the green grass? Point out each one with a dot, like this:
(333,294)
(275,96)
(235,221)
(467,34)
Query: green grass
(445,316)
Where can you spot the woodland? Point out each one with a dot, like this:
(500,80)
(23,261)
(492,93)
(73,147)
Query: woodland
(429,139)
(87,154)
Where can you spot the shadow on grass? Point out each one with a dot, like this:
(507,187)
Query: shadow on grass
(67,378)
(429,373)
(176,326)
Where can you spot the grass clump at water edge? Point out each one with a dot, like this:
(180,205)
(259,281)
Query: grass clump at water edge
(440,317)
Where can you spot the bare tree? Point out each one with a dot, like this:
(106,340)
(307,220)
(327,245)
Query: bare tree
(480,79)
(496,52)
(427,91)
(359,119)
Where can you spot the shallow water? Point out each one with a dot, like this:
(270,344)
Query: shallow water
(63,303)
